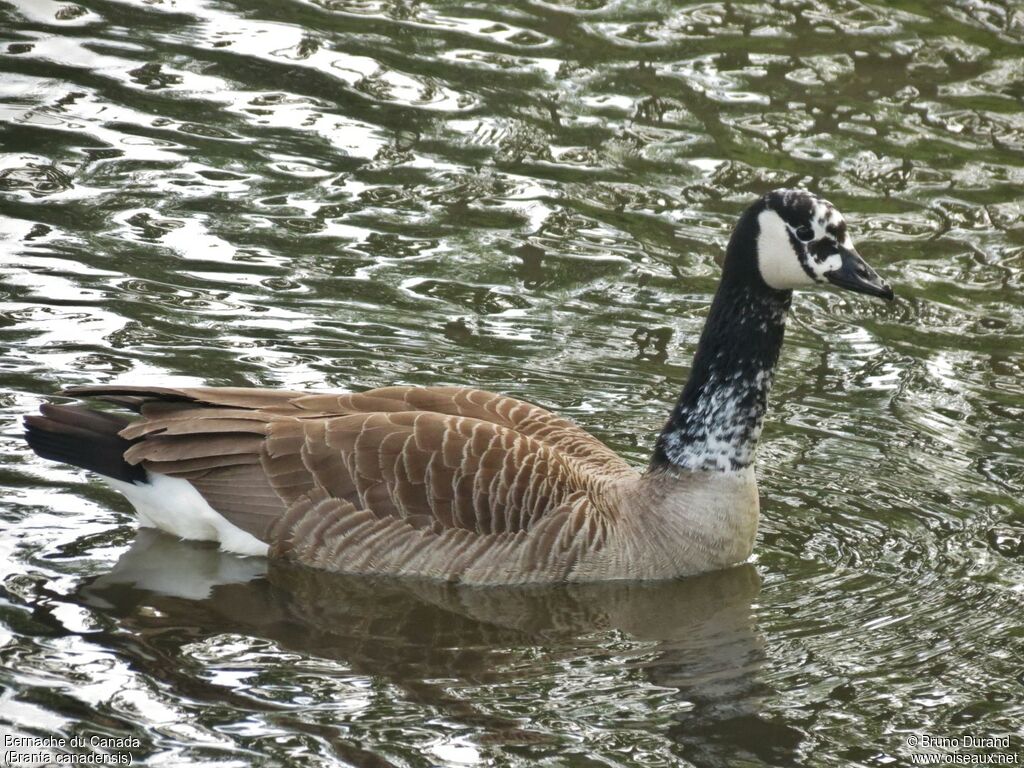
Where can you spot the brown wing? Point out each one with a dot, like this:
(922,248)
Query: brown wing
(525,418)
(455,471)
(142,398)
(275,466)
(518,415)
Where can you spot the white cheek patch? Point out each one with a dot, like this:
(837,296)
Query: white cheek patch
(777,260)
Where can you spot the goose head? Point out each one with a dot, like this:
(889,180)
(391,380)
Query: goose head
(802,241)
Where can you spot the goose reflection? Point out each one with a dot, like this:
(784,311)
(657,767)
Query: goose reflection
(696,637)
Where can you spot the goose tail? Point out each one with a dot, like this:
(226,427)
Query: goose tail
(83,438)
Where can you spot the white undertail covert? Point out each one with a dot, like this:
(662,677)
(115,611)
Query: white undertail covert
(173,505)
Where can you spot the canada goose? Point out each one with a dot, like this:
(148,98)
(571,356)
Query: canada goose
(464,485)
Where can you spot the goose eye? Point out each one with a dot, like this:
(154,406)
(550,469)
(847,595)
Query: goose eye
(805,233)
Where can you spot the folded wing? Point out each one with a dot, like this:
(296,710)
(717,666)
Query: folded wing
(384,480)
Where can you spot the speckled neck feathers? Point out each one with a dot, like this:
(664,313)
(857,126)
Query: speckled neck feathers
(717,421)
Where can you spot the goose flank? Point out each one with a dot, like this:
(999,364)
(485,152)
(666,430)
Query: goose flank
(459,484)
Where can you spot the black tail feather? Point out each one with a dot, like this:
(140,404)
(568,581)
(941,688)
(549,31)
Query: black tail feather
(83,438)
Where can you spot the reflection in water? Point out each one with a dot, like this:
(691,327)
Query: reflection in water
(694,639)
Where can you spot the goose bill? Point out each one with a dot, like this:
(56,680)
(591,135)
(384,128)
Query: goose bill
(854,274)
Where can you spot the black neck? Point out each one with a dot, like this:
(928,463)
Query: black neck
(717,421)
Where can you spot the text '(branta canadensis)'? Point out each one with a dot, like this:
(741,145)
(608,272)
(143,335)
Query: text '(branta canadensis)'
(464,485)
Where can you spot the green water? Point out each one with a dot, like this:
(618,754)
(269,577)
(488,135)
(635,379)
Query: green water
(528,197)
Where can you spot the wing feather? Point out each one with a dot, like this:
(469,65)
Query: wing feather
(517,415)
(397,478)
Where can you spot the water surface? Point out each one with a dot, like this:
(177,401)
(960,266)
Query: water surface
(529,197)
